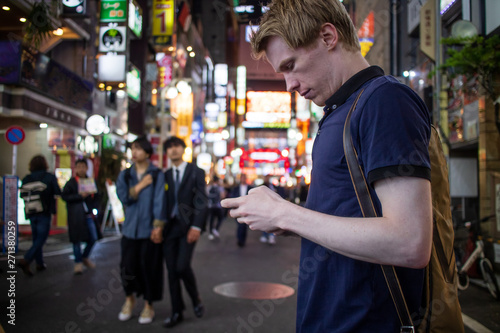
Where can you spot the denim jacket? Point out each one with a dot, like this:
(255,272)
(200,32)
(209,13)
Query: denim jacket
(145,211)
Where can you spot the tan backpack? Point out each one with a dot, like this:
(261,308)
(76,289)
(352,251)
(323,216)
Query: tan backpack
(440,309)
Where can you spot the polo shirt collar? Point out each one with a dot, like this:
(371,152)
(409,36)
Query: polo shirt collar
(351,85)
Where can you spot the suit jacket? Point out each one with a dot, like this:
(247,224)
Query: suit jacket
(192,198)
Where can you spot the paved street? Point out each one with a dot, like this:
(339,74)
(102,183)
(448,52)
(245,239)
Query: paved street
(56,301)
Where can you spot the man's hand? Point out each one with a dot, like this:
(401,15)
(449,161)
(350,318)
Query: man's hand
(157,235)
(260,209)
(193,235)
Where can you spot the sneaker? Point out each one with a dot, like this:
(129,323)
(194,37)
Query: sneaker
(147,315)
(88,263)
(272,239)
(78,268)
(126,312)
(263,239)
(215,233)
(211,237)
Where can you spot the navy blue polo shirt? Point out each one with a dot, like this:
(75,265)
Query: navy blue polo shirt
(391,132)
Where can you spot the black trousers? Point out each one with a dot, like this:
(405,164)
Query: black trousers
(141,268)
(178,254)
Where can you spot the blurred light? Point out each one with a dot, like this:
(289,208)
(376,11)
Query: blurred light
(225,134)
(189,48)
(121,93)
(183,87)
(121,85)
(192,54)
(285,153)
(406,73)
(109,88)
(6,8)
(22,19)
(412,74)
(43,125)
(58,32)
(154,91)
(171,93)
(299,136)
(171,49)
(94,211)
(101,85)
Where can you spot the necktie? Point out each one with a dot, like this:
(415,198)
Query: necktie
(177,184)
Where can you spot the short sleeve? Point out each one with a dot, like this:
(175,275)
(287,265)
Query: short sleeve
(393,133)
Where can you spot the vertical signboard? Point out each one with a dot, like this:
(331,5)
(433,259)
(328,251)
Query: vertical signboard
(10,228)
(428,29)
(163,21)
(113,10)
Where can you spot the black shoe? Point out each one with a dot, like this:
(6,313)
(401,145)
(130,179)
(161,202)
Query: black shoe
(173,320)
(241,244)
(199,310)
(40,268)
(25,266)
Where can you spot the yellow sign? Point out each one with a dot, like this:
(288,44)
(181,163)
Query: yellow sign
(428,29)
(163,18)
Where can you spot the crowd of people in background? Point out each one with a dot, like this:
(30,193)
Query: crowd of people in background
(165,215)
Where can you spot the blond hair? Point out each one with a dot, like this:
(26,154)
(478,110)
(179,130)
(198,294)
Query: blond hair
(298,23)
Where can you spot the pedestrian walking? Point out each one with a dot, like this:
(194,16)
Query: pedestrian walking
(314,44)
(80,194)
(141,189)
(215,211)
(38,190)
(241,188)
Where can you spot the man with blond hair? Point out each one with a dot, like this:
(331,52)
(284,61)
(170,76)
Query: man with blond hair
(313,43)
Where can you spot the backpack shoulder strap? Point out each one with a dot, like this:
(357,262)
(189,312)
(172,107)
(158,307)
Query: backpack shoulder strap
(368,209)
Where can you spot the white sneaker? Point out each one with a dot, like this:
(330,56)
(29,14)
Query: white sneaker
(263,239)
(211,237)
(147,316)
(215,233)
(126,312)
(272,239)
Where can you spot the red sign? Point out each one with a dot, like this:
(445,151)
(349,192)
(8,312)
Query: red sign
(15,135)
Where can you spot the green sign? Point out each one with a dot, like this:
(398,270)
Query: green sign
(134,84)
(113,10)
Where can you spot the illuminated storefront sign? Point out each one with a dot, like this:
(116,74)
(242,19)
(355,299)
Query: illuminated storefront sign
(112,38)
(163,21)
(135,18)
(113,10)
(268,109)
(134,84)
(366,33)
(74,7)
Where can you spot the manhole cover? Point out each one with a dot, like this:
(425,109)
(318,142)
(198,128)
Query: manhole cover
(254,290)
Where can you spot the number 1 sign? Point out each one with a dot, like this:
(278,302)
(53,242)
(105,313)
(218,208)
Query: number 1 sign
(163,21)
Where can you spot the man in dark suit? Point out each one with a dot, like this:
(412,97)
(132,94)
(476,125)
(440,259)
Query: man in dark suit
(186,205)
(239,190)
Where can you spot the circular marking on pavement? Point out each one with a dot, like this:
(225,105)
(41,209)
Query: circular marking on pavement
(254,290)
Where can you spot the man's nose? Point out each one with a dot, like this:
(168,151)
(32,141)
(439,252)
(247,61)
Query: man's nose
(291,83)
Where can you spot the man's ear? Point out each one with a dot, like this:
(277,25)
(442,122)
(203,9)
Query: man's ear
(329,36)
